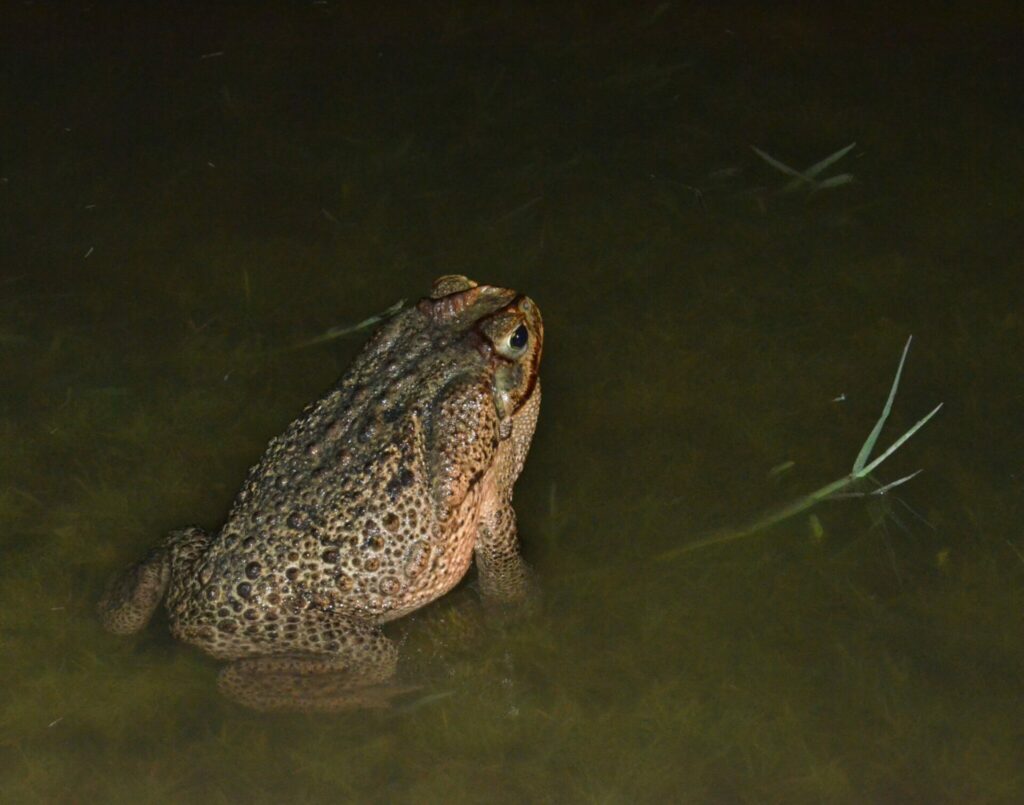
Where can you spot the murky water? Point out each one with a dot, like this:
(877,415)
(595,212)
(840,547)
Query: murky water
(186,196)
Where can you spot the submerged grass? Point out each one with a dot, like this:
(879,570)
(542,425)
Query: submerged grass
(807,178)
(687,341)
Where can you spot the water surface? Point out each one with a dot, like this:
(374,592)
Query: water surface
(186,194)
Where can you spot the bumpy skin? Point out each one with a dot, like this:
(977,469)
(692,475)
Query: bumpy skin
(370,505)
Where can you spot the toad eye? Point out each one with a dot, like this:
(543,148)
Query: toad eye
(519,338)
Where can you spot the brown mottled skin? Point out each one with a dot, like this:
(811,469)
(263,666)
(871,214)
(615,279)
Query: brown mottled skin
(370,505)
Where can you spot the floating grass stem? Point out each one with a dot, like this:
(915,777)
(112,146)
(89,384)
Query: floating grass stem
(862,468)
(342,330)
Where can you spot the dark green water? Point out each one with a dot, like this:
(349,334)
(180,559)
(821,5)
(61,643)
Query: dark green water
(186,194)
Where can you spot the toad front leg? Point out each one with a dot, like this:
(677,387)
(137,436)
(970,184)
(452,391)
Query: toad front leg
(504,575)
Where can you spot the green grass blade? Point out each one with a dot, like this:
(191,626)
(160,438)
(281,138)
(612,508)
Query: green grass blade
(893,484)
(818,167)
(834,181)
(896,445)
(869,444)
(779,166)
